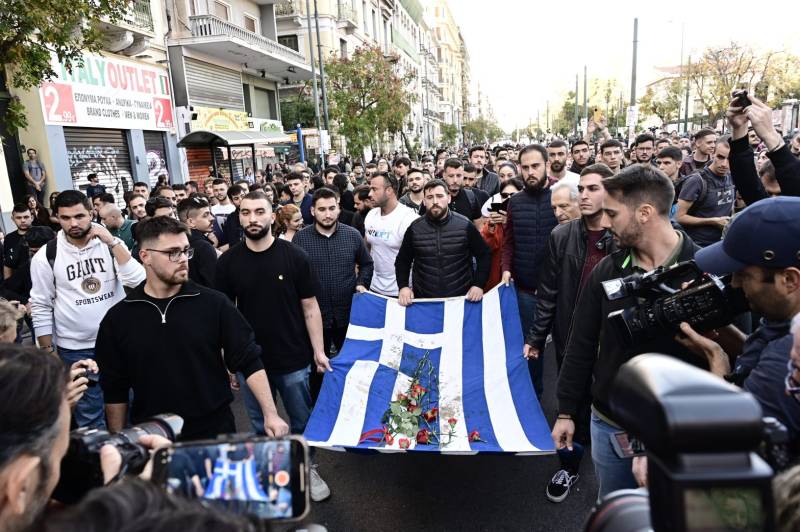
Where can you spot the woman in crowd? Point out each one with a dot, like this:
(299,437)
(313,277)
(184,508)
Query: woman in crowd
(272,194)
(493,230)
(346,201)
(40,214)
(289,221)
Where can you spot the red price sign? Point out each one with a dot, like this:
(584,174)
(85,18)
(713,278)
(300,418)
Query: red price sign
(163,111)
(59,104)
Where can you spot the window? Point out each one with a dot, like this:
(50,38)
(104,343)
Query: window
(250,23)
(364,15)
(221,10)
(342,48)
(289,41)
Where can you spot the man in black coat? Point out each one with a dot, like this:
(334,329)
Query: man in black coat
(441,246)
(196,214)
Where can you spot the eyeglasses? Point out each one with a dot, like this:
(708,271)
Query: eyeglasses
(505,195)
(792,386)
(175,254)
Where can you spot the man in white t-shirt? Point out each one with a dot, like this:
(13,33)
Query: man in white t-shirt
(224,206)
(384,228)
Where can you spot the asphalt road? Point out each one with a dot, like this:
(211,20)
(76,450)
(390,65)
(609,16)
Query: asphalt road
(435,492)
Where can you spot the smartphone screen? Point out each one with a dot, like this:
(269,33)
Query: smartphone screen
(260,477)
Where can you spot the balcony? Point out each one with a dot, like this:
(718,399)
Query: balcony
(348,17)
(138,19)
(291,12)
(229,42)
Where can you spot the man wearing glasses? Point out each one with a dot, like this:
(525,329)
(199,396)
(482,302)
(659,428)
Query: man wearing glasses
(163,341)
(644,146)
(762,250)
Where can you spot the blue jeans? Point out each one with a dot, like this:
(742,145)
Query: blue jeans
(527,313)
(613,473)
(295,394)
(89,410)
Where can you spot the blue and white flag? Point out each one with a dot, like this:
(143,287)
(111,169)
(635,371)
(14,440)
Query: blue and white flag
(475,350)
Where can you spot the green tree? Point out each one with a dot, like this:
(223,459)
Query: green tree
(367,97)
(563,122)
(298,109)
(662,99)
(31,31)
(482,130)
(449,134)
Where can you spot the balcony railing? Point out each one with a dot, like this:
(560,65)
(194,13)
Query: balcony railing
(347,14)
(211,26)
(138,15)
(290,8)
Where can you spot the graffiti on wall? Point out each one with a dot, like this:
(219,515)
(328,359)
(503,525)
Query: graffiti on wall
(156,166)
(101,160)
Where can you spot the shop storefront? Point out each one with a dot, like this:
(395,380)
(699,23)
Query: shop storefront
(111,116)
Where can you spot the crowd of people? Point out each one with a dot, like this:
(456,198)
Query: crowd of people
(167,298)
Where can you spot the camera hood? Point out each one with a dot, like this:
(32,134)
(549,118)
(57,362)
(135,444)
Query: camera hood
(673,408)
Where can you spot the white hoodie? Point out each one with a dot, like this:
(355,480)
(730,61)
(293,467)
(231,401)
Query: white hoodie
(71,306)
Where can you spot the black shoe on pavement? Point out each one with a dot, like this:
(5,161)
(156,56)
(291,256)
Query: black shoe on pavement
(559,486)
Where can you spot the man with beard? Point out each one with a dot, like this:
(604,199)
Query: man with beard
(362,205)
(15,249)
(557,157)
(574,249)
(75,279)
(275,288)
(637,206)
(224,204)
(136,207)
(487,181)
(462,200)
(170,359)
(529,221)
(413,198)
(643,148)
(342,264)
(611,154)
(581,157)
(442,270)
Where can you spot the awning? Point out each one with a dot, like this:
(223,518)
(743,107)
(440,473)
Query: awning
(205,139)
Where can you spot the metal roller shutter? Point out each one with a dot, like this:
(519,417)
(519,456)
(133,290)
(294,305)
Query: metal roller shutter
(213,86)
(100,151)
(156,155)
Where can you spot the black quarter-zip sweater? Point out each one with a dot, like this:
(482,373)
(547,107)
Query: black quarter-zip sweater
(168,352)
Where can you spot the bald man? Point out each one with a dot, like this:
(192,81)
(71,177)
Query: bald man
(117,224)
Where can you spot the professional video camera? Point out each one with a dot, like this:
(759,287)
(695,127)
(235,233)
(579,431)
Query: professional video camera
(80,468)
(700,433)
(706,303)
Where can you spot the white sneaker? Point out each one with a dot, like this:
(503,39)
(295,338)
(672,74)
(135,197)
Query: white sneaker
(319,489)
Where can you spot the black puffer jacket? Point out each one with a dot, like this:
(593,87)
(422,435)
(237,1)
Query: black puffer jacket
(441,252)
(559,283)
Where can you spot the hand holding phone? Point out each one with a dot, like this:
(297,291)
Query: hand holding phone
(261,477)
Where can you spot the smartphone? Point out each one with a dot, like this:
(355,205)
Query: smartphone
(626,446)
(740,98)
(260,477)
(497,207)
(598,116)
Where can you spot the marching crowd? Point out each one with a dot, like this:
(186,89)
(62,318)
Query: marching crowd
(196,289)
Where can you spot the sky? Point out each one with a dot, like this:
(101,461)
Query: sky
(524,53)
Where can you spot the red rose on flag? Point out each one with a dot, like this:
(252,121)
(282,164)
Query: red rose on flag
(389,438)
(431,414)
(452,421)
(423,436)
(475,436)
(401,397)
(404,443)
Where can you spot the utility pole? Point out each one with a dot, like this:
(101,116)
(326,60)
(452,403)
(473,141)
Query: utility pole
(314,78)
(683,30)
(547,120)
(576,105)
(321,73)
(585,102)
(632,112)
(686,111)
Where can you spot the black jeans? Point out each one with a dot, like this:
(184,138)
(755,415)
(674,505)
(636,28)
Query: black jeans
(331,336)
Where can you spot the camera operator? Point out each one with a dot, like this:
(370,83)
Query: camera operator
(637,206)
(762,250)
(743,168)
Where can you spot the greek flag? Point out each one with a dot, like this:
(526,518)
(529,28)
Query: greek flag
(235,481)
(475,349)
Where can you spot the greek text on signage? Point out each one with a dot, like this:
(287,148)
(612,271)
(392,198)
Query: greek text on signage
(108,92)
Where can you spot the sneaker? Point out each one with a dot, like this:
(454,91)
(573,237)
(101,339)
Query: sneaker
(559,486)
(319,489)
